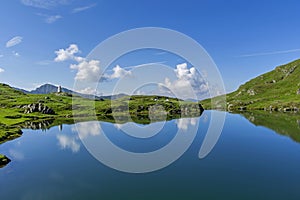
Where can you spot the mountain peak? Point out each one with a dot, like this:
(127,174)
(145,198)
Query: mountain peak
(48,88)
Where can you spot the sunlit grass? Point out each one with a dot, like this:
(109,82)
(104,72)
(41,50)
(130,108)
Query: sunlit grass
(274,90)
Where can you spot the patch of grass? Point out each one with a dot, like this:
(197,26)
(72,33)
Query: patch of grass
(9,133)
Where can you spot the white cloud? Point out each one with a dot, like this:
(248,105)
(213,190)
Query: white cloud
(66,142)
(83,8)
(44,62)
(119,72)
(87,70)
(14,41)
(49,19)
(1,70)
(52,19)
(87,90)
(16,53)
(189,83)
(66,54)
(46,4)
(270,53)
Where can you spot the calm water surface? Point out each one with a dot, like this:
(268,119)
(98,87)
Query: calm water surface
(251,160)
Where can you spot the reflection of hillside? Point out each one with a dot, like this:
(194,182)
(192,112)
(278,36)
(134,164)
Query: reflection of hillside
(145,118)
(35,125)
(117,118)
(283,123)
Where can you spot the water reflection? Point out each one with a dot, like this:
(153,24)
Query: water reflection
(86,129)
(16,155)
(184,123)
(37,125)
(287,124)
(136,148)
(68,142)
(140,130)
(244,158)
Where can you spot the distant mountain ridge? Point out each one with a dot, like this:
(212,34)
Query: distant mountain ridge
(49,88)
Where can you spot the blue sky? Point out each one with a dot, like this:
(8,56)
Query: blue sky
(244,38)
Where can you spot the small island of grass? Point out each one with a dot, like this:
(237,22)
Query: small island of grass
(3,160)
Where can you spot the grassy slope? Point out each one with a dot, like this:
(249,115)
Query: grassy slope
(276,89)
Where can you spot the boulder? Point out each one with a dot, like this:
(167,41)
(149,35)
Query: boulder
(242,108)
(251,92)
(38,107)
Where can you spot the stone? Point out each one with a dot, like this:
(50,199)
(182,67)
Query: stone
(38,107)
(242,108)
(251,92)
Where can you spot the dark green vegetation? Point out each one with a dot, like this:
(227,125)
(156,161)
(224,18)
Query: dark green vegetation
(277,90)
(287,124)
(41,111)
(3,160)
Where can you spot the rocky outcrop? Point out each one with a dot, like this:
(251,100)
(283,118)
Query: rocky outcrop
(298,92)
(38,107)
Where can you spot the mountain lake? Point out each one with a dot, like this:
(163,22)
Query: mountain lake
(257,156)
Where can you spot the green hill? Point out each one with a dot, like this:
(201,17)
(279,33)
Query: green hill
(19,110)
(277,90)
